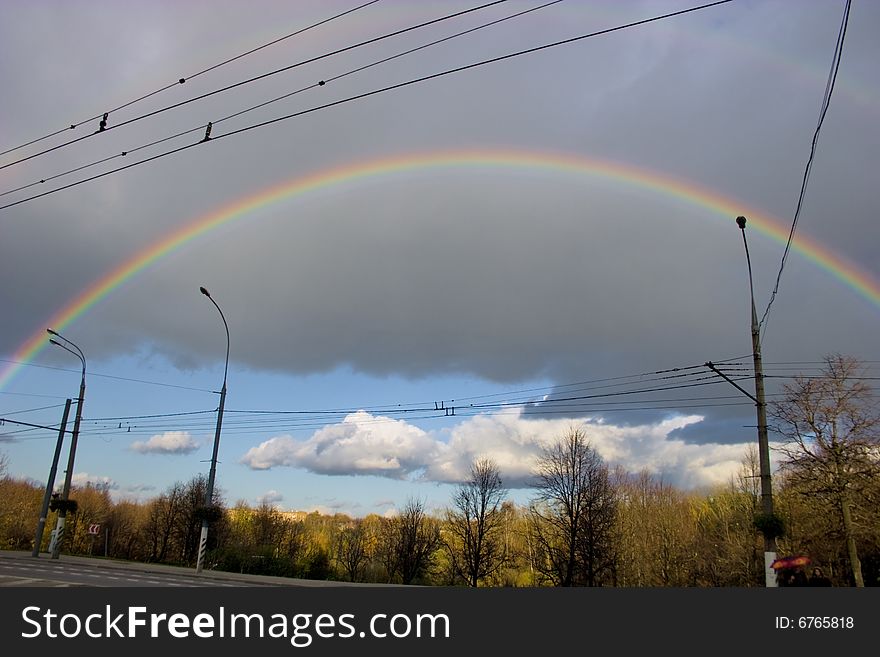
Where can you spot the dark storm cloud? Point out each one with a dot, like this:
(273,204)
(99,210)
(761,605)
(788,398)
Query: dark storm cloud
(507,275)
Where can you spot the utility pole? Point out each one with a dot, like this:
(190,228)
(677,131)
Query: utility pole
(50,484)
(768,526)
(209,509)
(66,503)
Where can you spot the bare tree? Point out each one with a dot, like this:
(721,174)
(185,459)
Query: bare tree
(832,448)
(351,550)
(572,518)
(174,520)
(410,540)
(475,524)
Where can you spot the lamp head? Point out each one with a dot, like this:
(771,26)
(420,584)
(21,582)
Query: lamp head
(51,332)
(51,341)
(741,222)
(205,292)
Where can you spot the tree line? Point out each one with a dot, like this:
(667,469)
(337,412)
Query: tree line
(586,525)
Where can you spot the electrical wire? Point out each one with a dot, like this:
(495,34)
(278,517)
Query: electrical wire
(368,94)
(309,418)
(142,417)
(242,83)
(33,410)
(826,101)
(403,408)
(30,394)
(4,420)
(250,421)
(183,79)
(202,127)
(105,376)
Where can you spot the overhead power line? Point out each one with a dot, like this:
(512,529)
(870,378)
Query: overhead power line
(103,376)
(34,410)
(374,92)
(826,101)
(250,421)
(184,78)
(202,127)
(242,83)
(271,419)
(29,394)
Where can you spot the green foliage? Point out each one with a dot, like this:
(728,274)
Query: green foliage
(19,510)
(316,565)
(661,536)
(770,525)
(209,513)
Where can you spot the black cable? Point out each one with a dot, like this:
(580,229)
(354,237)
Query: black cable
(103,376)
(272,43)
(140,417)
(580,410)
(323,82)
(5,434)
(405,409)
(33,410)
(820,378)
(582,385)
(531,400)
(308,423)
(180,81)
(30,394)
(829,89)
(811,362)
(365,95)
(4,420)
(412,407)
(253,79)
(703,381)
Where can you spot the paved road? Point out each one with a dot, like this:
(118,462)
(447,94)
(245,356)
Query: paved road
(48,572)
(21,569)
(44,572)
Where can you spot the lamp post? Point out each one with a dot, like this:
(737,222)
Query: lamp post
(65,504)
(768,524)
(209,492)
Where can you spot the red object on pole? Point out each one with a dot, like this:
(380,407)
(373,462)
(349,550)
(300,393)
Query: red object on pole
(790,562)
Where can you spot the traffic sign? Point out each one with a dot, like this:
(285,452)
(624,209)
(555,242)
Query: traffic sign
(94,529)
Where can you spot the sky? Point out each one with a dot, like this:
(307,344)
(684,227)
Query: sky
(465,267)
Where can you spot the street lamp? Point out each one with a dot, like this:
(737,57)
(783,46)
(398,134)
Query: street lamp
(761,407)
(65,503)
(768,526)
(209,492)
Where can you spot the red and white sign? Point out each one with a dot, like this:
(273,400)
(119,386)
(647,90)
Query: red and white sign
(94,529)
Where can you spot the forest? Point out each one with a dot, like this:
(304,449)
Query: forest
(587,524)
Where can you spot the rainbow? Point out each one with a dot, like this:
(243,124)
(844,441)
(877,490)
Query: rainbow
(846,272)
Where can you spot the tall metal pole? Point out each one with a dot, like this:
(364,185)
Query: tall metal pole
(209,491)
(763,442)
(50,483)
(65,493)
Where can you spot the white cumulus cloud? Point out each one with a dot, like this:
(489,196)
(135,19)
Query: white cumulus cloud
(270,497)
(360,444)
(376,445)
(170,442)
(83,479)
